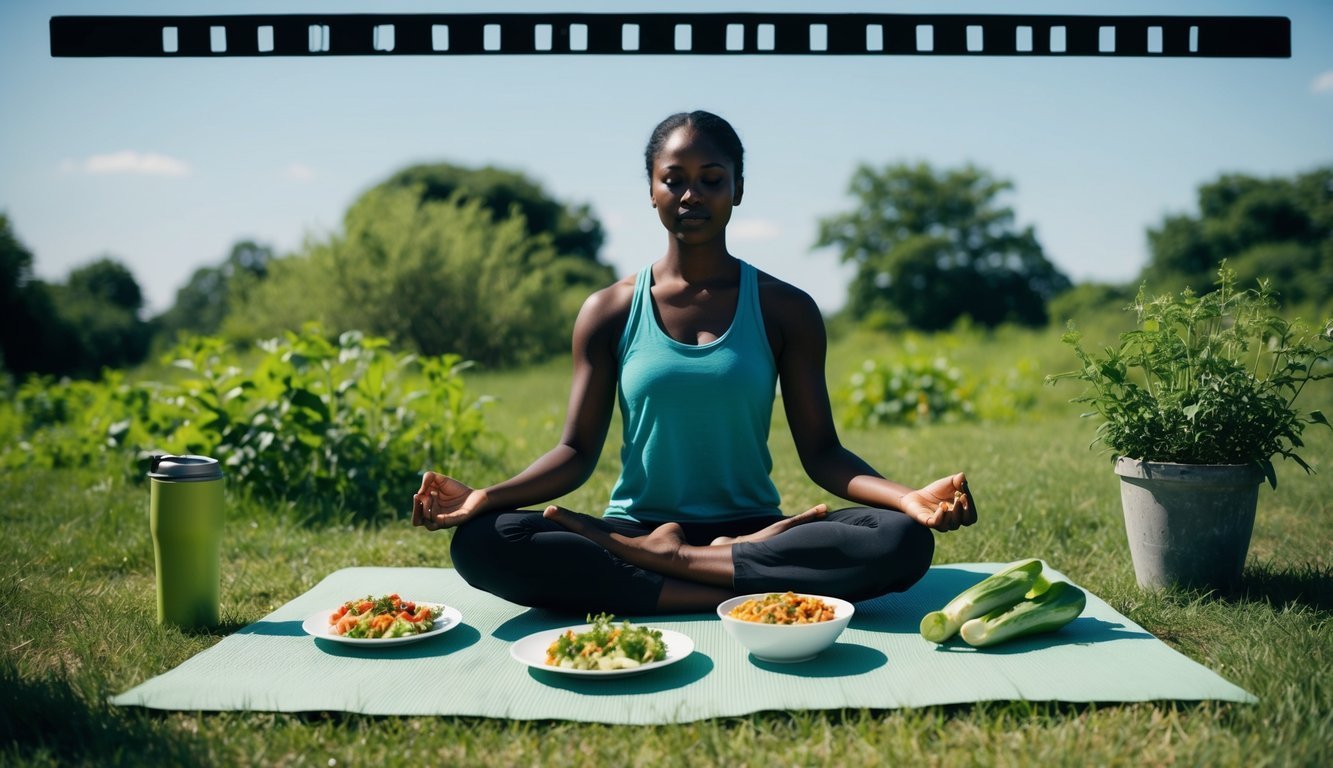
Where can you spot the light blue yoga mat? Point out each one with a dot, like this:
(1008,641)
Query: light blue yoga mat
(879,662)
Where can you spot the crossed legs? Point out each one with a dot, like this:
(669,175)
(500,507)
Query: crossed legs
(567,561)
(667,551)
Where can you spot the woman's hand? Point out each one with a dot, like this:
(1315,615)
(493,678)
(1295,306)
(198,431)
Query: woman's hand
(945,505)
(443,502)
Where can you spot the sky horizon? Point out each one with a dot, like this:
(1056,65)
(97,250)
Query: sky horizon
(165,164)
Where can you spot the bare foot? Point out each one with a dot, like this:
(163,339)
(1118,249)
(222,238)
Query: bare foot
(816,512)
(664,550)
(663,542)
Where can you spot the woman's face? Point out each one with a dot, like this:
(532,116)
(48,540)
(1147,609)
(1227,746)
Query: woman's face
(694,187)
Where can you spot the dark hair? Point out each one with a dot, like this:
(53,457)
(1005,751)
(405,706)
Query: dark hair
(707,123)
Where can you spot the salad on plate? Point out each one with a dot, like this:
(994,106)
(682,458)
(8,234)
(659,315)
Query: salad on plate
(385,617)
(606,646)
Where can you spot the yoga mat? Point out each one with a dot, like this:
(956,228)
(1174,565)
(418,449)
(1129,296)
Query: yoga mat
(879,662)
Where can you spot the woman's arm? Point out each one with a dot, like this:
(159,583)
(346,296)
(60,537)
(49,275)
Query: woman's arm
(591,400)
(443,502)
(796,331)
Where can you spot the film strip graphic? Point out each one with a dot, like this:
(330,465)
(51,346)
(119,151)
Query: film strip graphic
(863,34)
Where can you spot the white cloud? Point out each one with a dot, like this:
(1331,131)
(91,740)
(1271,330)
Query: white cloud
(1323,82)
(298,172)
(128,161)
(751,230)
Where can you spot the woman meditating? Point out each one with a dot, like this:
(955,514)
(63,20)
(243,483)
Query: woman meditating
(693,347)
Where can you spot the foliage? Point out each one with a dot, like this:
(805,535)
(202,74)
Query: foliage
(1209,379)
(342,427)
(56,424)
(75,329)
(99,306)
(212,292)
(20,311)
(439,258)
(95,323)
(40,340)
(106,281)
(323,421)
(1281,228)
(573,229)
(15,263)
(436,276)
(930,247)
(1086,300)
(914,388)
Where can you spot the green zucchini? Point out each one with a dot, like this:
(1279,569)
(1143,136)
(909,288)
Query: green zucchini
(1060,604)
(1006,587)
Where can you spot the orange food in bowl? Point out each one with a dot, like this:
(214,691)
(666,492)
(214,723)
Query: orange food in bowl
(789,608)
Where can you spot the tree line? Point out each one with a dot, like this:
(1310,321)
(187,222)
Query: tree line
(440,258)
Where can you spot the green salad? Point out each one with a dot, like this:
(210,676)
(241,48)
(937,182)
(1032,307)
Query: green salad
(606,646)
(385,618)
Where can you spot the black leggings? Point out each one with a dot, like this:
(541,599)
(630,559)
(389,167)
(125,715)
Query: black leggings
(854,554)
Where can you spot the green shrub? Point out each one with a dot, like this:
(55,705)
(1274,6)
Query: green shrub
(915,388)
(63,423)
(1088,300)
(344,428)
(1209,379)
(433,277)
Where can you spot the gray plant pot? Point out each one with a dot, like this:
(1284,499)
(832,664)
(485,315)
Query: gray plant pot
(1188,525)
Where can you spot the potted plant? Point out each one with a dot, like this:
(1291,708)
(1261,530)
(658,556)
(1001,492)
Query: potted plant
(1195,403)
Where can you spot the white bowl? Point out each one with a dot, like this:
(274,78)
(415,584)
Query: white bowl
(786,643)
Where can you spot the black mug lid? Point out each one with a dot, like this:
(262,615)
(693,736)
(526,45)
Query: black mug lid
(184,468)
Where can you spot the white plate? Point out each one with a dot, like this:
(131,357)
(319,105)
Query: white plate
(318,625)
(531,650)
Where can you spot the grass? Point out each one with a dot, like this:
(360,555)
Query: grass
(76,581)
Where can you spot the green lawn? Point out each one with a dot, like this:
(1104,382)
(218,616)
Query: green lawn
(76,572)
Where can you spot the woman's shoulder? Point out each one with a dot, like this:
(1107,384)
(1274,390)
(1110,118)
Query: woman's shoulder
(792,319)
(615,299)
(605,312)
(780,298)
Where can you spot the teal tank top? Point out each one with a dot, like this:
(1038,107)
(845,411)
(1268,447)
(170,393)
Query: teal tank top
(695,417)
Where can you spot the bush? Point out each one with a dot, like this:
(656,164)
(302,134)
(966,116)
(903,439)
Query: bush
(432,276)
(1209,379)
(915,388)
(1088,300)
(908,391)
(342,428)
(58,424)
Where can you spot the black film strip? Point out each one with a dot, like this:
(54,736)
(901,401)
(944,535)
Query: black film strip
(863,34)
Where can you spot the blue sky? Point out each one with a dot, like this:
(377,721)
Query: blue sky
(164,164)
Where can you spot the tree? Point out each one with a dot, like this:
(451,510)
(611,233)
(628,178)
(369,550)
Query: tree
(33,337)
(15,313)
(101,302)
(574,230)
(75,329)
(203,303)
(439,276)
(107,281)
(931,247)
(15,267)
(1278,228)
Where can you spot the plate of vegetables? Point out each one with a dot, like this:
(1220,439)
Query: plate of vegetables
(384,620)
(602,648)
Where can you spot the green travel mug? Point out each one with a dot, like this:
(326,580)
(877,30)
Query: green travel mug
(185,514)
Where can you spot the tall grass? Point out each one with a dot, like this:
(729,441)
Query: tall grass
(76,583)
